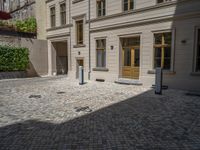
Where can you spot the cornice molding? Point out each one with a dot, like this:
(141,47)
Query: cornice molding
(58,35)
(146,21)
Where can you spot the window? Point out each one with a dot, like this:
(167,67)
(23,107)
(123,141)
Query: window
(198,52)
(162,1)
(63,14)
(101,53)
(128,5)
(79,32)
(101,8)
(52,16)
(162,50)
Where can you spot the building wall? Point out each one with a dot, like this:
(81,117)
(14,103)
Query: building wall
(41,17)
(179,17)
(79,10)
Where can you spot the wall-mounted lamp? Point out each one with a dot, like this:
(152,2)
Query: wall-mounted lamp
(111,47)
(183,41)
(79,53)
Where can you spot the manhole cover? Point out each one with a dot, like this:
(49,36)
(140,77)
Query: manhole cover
(35,96)
(83,109)
(60,92)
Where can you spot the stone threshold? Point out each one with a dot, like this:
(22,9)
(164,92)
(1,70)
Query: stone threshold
(129,81)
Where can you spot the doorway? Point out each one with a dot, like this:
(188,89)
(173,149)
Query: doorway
(131,58)
(61,57)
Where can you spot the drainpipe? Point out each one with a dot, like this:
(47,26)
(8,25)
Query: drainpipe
(70,53)
(89,73)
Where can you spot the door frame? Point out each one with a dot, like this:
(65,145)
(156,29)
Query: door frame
(121,59)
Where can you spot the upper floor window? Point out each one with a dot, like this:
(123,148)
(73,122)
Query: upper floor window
(53,16)
(79,32)
(101,53)
(198,52)
(162,50)
(101,8)
(63,14)
(162,1)
(128,5)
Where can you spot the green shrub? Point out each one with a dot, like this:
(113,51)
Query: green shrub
(13,58)
(28,25)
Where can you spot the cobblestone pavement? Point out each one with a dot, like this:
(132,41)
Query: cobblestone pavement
(56,113)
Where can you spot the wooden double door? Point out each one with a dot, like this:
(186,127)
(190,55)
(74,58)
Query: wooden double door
(131,62)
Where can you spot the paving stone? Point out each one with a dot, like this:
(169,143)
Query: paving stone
(95,116)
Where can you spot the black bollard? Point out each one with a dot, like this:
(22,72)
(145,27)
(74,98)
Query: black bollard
(158,81)
(81,75)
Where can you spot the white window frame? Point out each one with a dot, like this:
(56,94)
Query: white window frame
(101,12)
(65,13)
(50,21)
(101,38)
(134,3)
(76,38)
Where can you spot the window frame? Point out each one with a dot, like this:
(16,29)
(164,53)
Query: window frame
(172,57)
(101,49)
(77,33)
(197,36)
(128,6)
(50,14)
(97,14)
(61,14)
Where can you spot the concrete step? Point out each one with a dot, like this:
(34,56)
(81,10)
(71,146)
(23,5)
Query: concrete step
(129,81)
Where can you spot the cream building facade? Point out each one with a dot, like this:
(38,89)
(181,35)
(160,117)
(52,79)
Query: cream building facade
(124,40)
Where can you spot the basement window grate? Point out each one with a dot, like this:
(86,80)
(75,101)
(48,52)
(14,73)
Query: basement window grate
(100,80)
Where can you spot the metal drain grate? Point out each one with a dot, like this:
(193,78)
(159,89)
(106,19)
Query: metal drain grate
(35,96)
(83,109)
(60,92)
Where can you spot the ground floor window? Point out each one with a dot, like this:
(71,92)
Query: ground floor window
(162,50)
(198,52)
(101,53)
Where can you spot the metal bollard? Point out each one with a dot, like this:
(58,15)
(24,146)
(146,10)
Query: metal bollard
(81,75)
(158,81)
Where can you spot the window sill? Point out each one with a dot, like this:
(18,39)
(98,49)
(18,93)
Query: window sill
(165,72)
(76,1)
(99,17)
(78,46)
(59,27)
(195,74)
(100,69)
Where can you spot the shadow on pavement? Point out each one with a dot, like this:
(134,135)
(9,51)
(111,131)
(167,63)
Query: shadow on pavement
(146,121)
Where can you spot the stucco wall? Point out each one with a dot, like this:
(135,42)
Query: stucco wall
(40,14)
(38,53)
